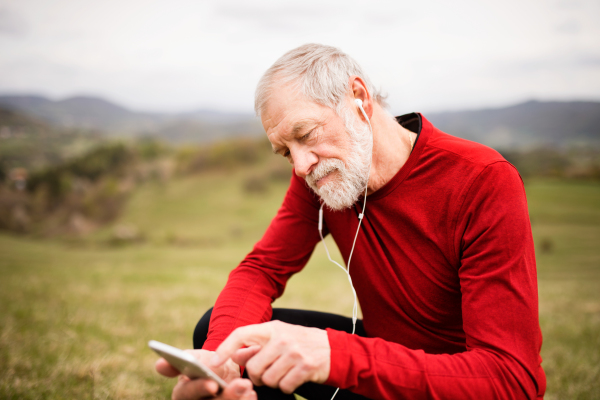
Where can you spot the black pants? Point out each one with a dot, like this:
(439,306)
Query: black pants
(315,319)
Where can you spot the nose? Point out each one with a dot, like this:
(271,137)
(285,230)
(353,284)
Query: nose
(303,161)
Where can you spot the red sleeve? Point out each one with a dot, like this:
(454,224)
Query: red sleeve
(261,277)
(498,282)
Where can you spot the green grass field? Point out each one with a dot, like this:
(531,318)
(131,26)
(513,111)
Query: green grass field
(75,316)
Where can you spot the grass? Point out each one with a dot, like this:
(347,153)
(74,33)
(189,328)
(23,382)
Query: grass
(567,215)
(75,317)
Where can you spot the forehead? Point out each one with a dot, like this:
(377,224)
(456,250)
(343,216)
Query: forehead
(287,111)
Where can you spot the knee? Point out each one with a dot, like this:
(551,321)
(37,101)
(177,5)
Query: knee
(201,330)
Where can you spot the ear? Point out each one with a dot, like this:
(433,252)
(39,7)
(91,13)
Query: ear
(359,91)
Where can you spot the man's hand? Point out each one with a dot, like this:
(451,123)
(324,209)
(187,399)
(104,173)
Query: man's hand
(186,388)
(278,354)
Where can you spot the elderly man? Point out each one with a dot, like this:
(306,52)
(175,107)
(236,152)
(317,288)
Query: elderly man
(437,235)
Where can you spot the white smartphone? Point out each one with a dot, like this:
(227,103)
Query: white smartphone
(185,363)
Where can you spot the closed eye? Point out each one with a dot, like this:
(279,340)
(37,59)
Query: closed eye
(304,137)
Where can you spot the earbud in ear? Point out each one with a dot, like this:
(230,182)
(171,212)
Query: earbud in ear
(362,110)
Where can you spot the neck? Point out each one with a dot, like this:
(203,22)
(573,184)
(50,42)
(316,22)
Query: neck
(392,144)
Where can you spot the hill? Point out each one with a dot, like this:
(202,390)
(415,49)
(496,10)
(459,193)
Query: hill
(87,112)
(32,143)
(117,121)
(526,125)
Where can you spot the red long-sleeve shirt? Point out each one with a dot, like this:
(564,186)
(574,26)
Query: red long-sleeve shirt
(444,269)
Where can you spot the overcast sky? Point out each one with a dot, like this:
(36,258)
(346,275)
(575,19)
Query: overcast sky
(178,55)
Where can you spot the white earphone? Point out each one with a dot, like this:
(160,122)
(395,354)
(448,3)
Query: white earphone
(360,219)
(361,215)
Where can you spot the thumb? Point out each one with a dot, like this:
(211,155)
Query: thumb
(242,356)
(166,369)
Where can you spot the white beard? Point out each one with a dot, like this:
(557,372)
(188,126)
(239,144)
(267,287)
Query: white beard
(350,179)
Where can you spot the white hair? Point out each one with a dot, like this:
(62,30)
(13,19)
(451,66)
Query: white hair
(320,72)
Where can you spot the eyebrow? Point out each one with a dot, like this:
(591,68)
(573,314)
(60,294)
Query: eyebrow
(302,125)
(298,127)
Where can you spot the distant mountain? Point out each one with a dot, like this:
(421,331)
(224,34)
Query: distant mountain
(19,123)
(114,120)
(86,112)
(526,125)
(32,143)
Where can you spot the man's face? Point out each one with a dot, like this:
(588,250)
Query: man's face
(331,153)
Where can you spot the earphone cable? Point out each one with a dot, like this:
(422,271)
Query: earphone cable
(361,216)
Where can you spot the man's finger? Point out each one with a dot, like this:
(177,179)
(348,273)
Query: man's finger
(292,379)
(195,388)
(239,389)
(250,335)
(242,356)
(258,364)
(277,371)
(166,369)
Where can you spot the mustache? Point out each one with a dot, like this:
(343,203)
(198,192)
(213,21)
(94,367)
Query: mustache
(323,169)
